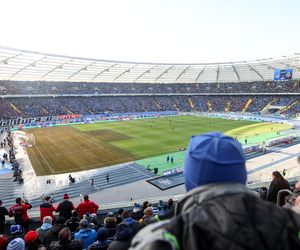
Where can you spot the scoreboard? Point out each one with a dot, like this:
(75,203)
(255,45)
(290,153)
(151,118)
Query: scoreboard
(283,74)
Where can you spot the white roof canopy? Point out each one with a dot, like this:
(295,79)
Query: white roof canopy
(25,65)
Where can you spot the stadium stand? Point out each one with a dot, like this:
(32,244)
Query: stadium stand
(41,85)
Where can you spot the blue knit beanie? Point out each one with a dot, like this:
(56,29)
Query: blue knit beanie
(214,157)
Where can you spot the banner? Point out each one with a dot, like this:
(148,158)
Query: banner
(283,74)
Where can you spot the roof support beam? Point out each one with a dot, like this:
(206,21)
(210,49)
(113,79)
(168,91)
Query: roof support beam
(28,65)
(253,69)
(105,70)
(55,68)
(236,73)
(218,74)
(182,72)
(127,70)
(78,71)
(200,73)
(5,61)
(145,72)
(166,71)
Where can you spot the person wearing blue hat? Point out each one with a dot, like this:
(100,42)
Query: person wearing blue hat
(214,158)
(219,211)
(16,244)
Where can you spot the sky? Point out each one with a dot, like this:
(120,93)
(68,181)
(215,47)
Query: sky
(162,31)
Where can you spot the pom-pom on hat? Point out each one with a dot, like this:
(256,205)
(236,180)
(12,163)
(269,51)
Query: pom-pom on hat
(212,158)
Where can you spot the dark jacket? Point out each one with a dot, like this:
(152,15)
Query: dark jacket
(71,245)
(73,223)
(52,234)
(274,188)
(3,212)
(122,238)
(224,216)
(100,245)
(65,209)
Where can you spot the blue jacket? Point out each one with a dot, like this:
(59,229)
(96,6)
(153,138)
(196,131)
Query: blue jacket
(87,235)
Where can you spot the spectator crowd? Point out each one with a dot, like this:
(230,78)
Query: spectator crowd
(218,211)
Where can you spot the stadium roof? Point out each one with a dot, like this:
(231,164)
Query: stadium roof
(16,64)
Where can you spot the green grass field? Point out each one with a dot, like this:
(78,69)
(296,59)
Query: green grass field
(80,147)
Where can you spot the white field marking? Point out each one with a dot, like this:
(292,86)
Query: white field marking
(51,141)
(140,171)
(87,138)
(45,159)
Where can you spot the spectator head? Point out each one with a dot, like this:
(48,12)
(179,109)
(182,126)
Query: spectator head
(125,215)
(86,197)
(16,244)
(83,223)
(15,229)
(123,232)
(137,208)
(47,198)
(31,237)
(110,221)
(110,214)
(75,214)
(102,234)
(18,200)
(64,236)
(277,176)
(148,211)
(145,204)
(47,219)
(60,220)
(120,211)
(0,202)
(155,210)
(212,158)
(3,241)
(66,197)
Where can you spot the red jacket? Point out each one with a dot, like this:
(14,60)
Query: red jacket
(46,209)
(87,207)
(20,208)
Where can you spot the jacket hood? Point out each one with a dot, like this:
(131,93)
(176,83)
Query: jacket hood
(85,232)
(209,191)
(46,226)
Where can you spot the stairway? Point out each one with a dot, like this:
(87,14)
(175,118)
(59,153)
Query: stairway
(288,107)
(157,104)
(269,104)
(227,106)
(191,103)
(209,106)
(175,106)
(15,108)
(68,110)
(45,110)
(247,105)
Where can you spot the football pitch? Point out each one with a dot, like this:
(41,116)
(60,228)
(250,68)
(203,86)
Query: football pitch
(73,148)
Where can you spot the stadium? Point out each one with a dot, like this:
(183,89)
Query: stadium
(156,153)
